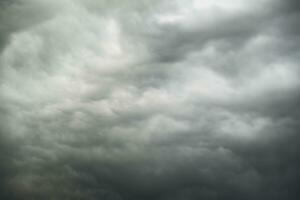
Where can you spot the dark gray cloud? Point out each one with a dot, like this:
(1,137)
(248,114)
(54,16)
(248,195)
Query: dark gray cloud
(130,100)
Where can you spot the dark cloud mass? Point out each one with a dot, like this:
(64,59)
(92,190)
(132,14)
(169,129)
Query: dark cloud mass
(149,99)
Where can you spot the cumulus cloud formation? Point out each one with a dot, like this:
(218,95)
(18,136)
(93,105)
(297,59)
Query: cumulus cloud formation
(149,99)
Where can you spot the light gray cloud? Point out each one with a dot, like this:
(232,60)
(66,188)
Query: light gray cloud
(149,99)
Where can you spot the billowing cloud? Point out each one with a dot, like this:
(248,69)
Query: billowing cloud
(155,99)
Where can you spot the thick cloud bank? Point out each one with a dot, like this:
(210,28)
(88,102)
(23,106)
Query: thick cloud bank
(149,99)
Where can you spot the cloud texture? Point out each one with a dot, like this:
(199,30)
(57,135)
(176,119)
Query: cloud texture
(149,99)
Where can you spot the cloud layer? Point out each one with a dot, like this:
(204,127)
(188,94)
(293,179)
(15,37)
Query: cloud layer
(149,99)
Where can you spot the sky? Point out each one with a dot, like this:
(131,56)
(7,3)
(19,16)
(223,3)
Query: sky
(149,99)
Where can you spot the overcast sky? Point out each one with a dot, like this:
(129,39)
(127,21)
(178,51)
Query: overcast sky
(149,99)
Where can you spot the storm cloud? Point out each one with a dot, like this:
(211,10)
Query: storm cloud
(149,99)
